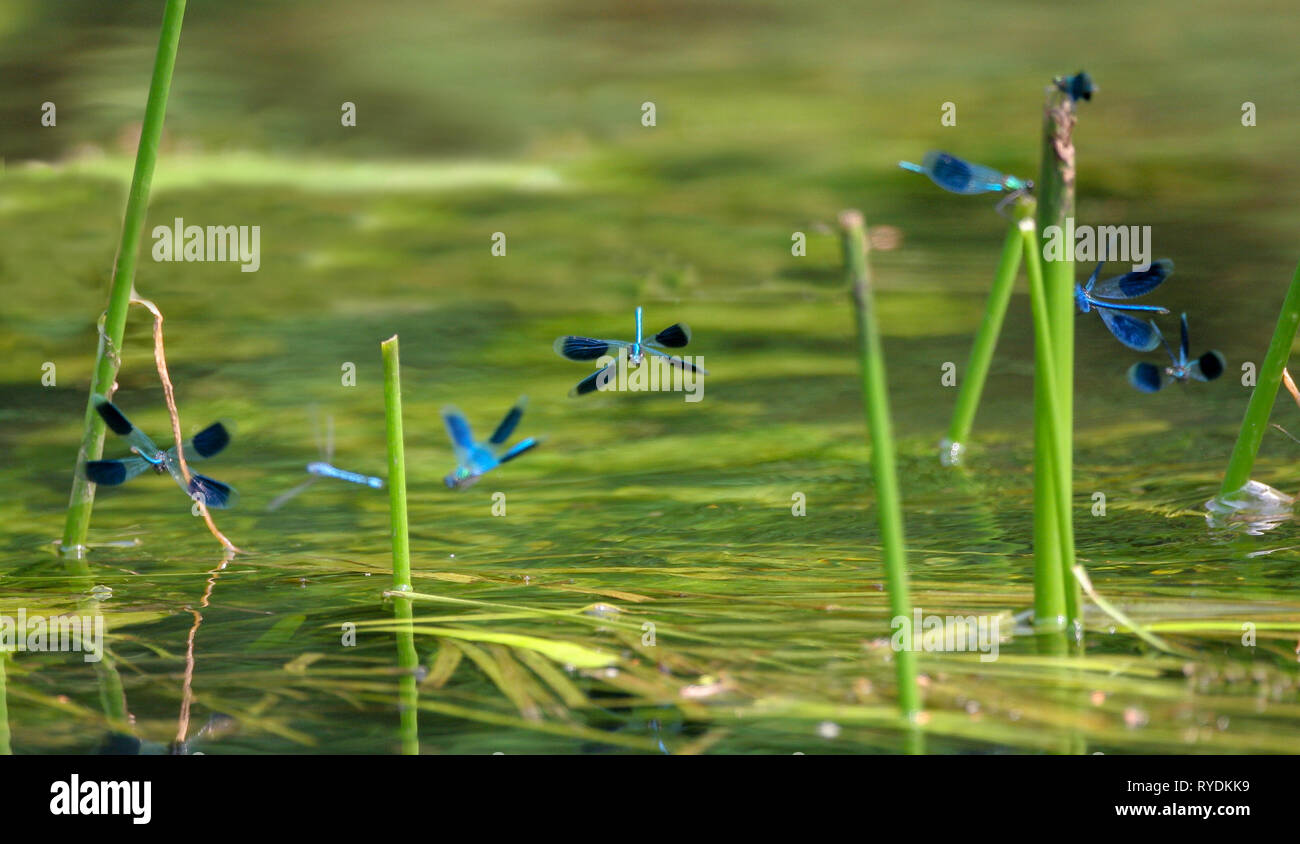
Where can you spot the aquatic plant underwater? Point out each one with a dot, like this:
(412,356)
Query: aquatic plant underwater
(548,677)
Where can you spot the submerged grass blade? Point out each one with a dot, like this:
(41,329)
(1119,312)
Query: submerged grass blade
(875,395)
(119,298)
(1269,377)
(505,676)
(565,653)
(444,665)
(1114,612)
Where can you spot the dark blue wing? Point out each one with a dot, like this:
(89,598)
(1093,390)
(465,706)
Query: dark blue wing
(1137,335)
(114,472)
(507,426)
(674,336)
(1145,376)
(1135,283)
(678,362)
(1092,279)
(118,423)
(208,442)
(1207,367)
(951,173)
(462,439)
(213,493)
(1184,346)
(596,380)
(585,348)
(113,418)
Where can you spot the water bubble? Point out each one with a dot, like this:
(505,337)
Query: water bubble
(1256,506)
(828,730)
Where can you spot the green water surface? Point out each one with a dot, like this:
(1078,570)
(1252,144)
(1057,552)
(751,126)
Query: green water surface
(649,587)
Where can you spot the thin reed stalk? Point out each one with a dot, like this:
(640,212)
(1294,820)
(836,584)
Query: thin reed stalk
(981,354)
(1255,422)
(875,395)
(113,326)
(407,659)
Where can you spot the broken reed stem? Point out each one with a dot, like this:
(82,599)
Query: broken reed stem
(1255,422)
(407,658)
(981,353)
(104,376)
(875,395)
(1045,364)
(1290,386)
(169,394)
(1054,444)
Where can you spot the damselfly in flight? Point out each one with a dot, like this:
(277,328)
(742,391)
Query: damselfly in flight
(205,443)
(952,174)
(675,336)
(1138,335)
(1148,377)
(1077,87)
(325,469)
(474,459)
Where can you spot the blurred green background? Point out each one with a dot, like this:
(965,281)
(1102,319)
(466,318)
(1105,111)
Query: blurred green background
(525,118)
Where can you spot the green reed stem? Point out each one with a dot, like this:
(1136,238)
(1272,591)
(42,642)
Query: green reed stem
(1055,443)
(396,465)
(981,353)
(1254,424)
(1044,363)
(875,395)
(119,298)
(407,658)
(408,693)
(5,748)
